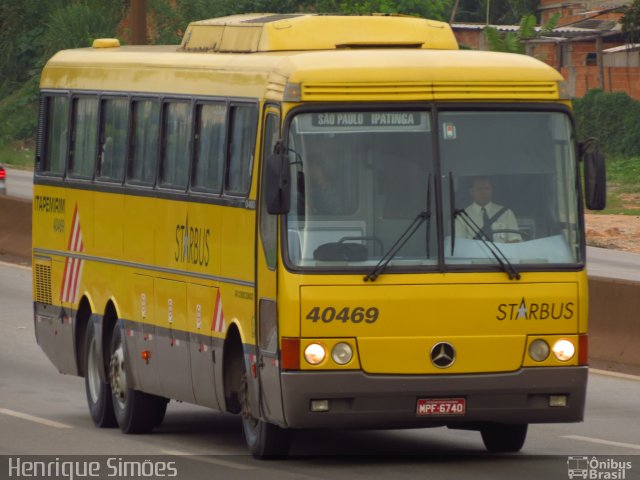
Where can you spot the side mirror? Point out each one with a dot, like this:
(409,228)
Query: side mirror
(595,177)
(277,184)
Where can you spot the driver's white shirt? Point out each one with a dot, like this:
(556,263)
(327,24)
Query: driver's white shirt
(506,221)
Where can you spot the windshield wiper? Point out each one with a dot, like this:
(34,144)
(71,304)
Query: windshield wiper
(504,262)
(392,252)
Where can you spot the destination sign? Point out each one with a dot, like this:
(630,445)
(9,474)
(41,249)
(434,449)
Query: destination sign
(369,119)
(362,122)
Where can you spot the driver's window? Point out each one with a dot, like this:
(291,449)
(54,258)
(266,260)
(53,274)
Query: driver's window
(269,223)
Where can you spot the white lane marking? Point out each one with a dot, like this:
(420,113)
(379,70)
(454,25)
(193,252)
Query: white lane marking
(600,441)
(32,418)
(207,459)
(609,373)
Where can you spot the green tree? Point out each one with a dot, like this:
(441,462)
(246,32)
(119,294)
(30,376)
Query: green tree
(613,118)
(514,42)
(500,12)
(631,22)
(30,32)
(169,22)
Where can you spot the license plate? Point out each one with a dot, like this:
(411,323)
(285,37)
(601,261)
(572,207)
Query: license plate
(441,406)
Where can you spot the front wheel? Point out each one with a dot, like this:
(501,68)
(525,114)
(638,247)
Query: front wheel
(135,411)
(98,392)
(265,440)
(503,438)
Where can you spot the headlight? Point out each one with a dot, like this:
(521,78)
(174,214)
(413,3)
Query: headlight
(314,353)
(342,353)
(539,350)
(564,350)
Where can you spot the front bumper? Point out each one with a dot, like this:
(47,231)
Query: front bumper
(359,400)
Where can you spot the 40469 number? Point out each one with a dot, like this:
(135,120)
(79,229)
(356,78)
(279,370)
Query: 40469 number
(346,314)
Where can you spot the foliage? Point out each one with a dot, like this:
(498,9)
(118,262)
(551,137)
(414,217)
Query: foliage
(631,22)
(613,118)
(169,22)
(437,10)
(78,23)
(514,42)
(501,12)
(30,32)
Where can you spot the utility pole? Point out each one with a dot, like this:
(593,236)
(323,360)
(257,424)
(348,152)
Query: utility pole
(139,22)
(454,11)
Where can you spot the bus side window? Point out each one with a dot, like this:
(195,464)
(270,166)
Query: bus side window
(113,139)
(176,130)
(144,144)
(241,145)
(57,121)
(209,147)
(84,138)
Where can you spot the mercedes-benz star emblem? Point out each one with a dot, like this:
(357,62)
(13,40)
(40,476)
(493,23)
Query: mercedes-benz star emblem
(443,355)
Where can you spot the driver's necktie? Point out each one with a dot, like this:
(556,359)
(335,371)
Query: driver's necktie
(486,227)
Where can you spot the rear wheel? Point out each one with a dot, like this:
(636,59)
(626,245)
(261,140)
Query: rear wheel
(503,438)
(98,392)
(135,411)
(265,440)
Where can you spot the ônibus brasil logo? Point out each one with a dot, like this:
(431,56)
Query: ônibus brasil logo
(597,469)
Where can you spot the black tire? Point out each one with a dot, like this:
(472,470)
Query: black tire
(99,397)
(135,411)
(265,440)
(503,438)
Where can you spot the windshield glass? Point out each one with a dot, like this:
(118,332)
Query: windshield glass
(511,180)
(361,179)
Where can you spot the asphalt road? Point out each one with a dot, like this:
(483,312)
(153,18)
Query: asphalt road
(44,413)
(613,264)
(19,183)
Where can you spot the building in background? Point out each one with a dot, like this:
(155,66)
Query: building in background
(588,46)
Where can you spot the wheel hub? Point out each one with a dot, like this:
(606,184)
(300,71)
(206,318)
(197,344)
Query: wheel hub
(117,375)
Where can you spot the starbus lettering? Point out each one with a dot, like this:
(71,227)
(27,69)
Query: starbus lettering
(535,311)
(192,244)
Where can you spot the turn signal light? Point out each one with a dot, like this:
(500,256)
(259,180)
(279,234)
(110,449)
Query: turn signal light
(290,354)
(583,350)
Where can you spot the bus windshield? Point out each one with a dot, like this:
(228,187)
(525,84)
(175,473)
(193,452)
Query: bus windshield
(361,179)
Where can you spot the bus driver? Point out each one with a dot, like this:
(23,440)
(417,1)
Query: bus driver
(497,222)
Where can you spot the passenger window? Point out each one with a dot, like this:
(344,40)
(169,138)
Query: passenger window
(57,135)
(241,146)
(175,147)
(113,140)
(209,153)
(144,148)
(82,157)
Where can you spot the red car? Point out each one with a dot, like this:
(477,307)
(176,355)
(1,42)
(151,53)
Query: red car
(3,180)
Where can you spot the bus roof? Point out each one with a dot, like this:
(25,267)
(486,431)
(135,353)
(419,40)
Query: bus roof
(355,73)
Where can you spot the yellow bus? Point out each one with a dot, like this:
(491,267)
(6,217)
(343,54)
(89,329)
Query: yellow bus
(283,218)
